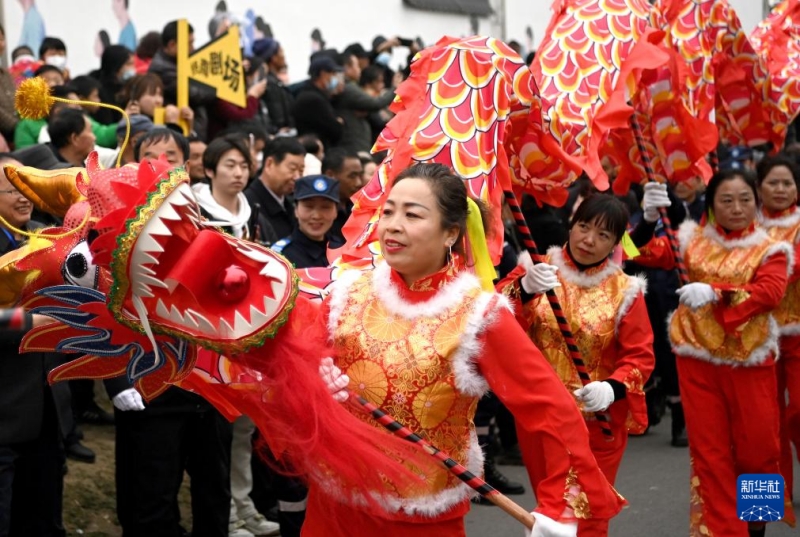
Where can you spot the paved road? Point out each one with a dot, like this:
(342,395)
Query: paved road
(654,478)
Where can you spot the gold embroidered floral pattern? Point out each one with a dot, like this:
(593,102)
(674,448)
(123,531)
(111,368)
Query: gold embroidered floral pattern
(788,311)
(407,368)
(709,261)
(575,498)
(697,526)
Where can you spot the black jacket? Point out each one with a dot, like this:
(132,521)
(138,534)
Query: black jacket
(274,221)
(304,252)
(314,113)
(279,104)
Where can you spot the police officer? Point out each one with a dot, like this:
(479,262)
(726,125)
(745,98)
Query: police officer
(317,200)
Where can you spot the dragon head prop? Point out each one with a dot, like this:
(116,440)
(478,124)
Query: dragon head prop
(174,275)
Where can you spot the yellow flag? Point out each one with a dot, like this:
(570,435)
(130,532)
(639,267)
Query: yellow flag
(218,64)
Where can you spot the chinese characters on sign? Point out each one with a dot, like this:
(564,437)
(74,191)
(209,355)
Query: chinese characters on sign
(218,65)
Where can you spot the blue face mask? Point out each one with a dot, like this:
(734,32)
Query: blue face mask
(333,83)
(383,58)
(127,74)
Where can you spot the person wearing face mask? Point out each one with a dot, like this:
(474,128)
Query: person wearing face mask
(313,108)
(53,52)
(116,67)
(778,184)
(609,320)
(725,338)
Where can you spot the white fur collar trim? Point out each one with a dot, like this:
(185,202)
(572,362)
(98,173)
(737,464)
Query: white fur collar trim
(753,239)
(637,285)
(577,277)
(782,247)
(338,297)
(447,297)
(685,233)
(757,357)
(790,329)
(467,378)
(789,220)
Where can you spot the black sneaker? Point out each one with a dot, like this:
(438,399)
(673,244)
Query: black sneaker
(510,457)
(79,452)
(503,484)
(96,416)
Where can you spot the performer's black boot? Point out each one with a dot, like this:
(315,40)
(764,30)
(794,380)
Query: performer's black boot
(757,532)
(503,484)
(679,438)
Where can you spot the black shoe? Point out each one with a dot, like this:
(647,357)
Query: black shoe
(510,457)
(499,481)
(759,532)
(96,416)
(679,438)
(79,452)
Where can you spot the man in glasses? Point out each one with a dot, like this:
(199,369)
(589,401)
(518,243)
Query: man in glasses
(15,209)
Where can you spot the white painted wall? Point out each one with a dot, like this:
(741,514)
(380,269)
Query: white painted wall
(342,22)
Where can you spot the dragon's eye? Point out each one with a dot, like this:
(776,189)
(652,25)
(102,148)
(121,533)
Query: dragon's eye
(78,268)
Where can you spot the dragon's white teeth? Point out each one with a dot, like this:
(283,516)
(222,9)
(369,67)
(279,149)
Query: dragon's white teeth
(161,309)
(153,282)
(240,325)
(274,269)
(148,243)
(157,227)
(225,329)
(168,212)
(144,291)
(257,317)
(181,200)
(203,323)
(149,259)
(175,315)
(255,255)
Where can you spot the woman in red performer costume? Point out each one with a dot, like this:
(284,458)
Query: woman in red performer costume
(420,337)
(608,317)
(778,179)
(725,339)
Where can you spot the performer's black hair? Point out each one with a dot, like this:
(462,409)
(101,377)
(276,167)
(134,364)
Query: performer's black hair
(728,175)
(765,166)
(604,210)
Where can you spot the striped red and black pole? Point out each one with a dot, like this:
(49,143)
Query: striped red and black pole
(680,266)
(563,324)
(475,482)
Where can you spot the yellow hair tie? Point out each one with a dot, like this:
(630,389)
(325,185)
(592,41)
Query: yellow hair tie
(480,250)
(629,247)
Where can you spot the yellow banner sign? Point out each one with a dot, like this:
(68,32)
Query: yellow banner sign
(218,64)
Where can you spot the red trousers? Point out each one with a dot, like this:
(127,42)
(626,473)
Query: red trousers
(732,422)
(609,456)
(788,370)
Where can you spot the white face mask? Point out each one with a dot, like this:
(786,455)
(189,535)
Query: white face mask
(25,58)
(383,58)
(57,61)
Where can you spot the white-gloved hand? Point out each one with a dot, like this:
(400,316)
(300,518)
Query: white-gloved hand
(655,197)
(596,396)
(696,295)
(547,527)
(128,399)
(335,380)
(538,278)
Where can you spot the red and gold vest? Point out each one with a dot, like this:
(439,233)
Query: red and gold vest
(416,361)
(786,227)
(593,301)
(712,258)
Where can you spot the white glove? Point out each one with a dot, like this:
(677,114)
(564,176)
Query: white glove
(538,278)
(128,399)
(547,527)
(335,380)
(695,295)
(655,197)
(596,396)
